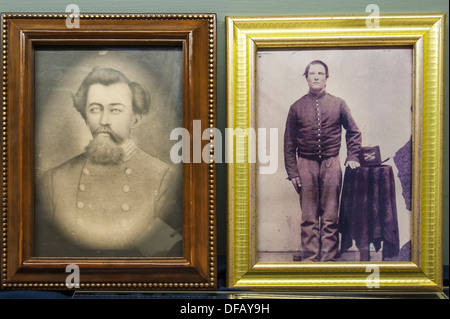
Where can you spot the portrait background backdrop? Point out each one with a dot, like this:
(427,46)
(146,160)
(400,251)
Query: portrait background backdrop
(253,8)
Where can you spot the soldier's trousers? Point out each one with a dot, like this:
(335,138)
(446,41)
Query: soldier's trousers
(319,201)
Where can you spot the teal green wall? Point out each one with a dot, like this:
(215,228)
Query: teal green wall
(225,8)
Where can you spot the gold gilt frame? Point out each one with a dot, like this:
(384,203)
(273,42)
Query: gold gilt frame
(425,34)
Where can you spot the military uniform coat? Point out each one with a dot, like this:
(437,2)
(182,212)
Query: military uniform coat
(91,209)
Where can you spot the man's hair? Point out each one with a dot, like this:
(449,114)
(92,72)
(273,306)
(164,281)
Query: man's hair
(316,62)
(107,76)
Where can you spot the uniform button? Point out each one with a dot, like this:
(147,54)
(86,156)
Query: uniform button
(80,204)
(128,171)
(126,188)
(85,171)
(319,140)
(125,207)
(82,187)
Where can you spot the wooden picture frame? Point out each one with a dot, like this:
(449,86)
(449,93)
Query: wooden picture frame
(23,35)
(248,39)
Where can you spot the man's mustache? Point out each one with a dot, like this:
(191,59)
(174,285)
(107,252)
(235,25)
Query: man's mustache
(106,129)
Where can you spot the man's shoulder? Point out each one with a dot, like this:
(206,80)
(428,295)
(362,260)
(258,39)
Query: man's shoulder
(153,169)
(76,162)
(335,98)
(300,100)
(65,172)
(298,104)
(150,162)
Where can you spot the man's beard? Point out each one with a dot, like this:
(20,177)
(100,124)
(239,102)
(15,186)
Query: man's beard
(105,149)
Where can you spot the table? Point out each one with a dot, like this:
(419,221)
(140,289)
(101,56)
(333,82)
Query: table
(368,211)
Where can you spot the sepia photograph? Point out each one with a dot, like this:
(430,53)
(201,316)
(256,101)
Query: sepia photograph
(342,190)
(105,185)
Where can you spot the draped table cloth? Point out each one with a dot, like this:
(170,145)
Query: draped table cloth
(368,212)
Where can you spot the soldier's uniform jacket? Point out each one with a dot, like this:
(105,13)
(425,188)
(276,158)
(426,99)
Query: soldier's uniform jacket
(133,208)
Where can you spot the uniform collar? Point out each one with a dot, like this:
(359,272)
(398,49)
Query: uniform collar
(316,96)
(129,149)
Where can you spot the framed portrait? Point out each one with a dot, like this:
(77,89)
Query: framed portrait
(95,192)
(335,157)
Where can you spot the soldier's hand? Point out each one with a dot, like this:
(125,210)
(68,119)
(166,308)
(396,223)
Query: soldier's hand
(352,164)
(297,184)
